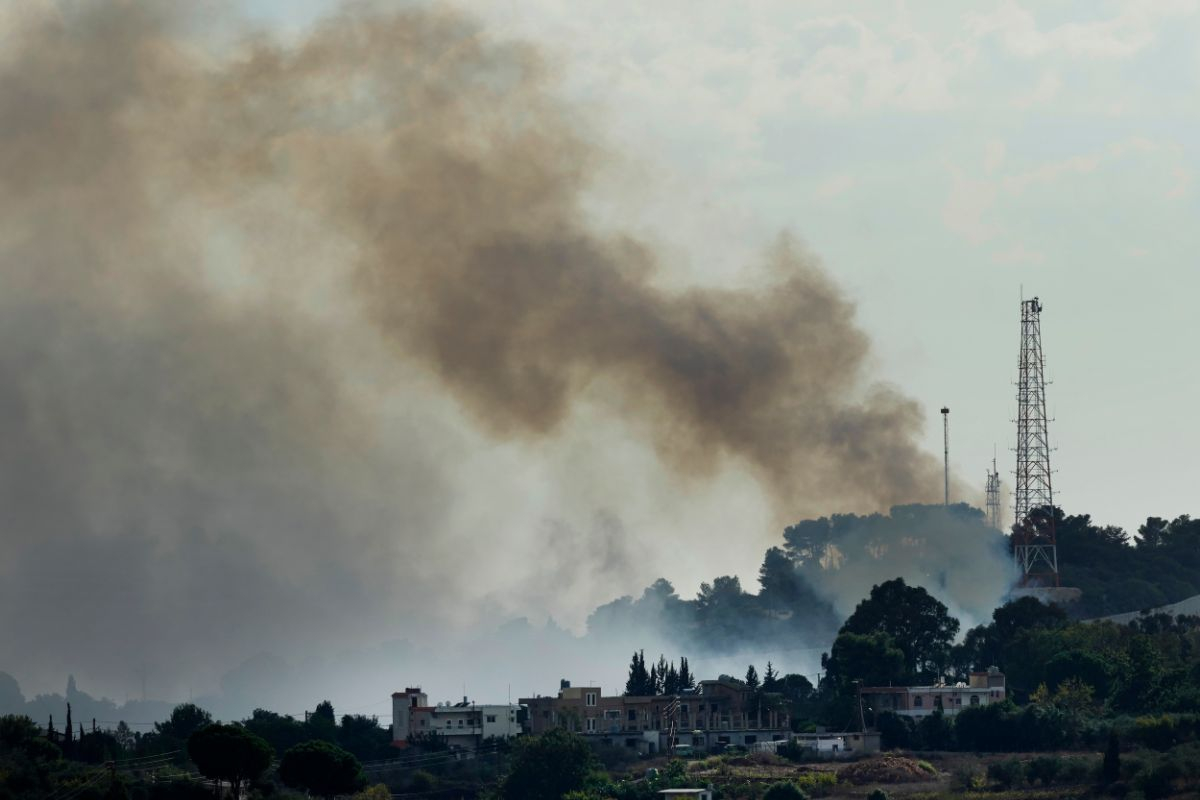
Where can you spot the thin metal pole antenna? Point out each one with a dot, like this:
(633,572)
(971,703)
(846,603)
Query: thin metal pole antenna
(946,459)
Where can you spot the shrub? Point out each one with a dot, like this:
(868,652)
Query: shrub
(895,732)
(1158,733)
(423,781)
(1007,773)
(968,778)
(1043,769)
(791,750)
(877,794)
(1156,781)
(1076,770)
(817,784)
(785,790)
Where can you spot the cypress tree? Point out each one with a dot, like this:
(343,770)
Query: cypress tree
(1111,768)
(639,683)
(67,733)
(671,682)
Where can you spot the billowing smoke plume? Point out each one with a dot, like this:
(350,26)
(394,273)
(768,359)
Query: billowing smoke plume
(266,308)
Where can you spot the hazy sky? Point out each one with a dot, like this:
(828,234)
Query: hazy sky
(229,393)
(937,157)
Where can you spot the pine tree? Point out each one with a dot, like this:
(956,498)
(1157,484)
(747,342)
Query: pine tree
(51,734)
(655,683)
(686,681)
(752,678)
(67,732)
(770,679)
(660,683)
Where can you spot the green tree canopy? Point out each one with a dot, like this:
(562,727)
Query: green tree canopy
(871,658)
(321,768)
(917,623)
(186,719)
(547,766)
(281,732)
(229,753)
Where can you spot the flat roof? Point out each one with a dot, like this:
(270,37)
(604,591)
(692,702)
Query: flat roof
(883,689)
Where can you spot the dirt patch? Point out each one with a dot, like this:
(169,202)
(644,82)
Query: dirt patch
(888,769)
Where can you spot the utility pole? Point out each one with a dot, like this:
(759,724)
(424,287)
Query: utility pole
(1034,542)
(946,459)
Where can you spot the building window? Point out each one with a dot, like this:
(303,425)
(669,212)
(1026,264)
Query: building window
(919,701)
(974,699)
(591,699)
(612,713)
(460,723)
(491,717)
(591,724)
(448,723)
(632,716)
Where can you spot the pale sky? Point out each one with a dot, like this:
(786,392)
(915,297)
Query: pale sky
(938,158)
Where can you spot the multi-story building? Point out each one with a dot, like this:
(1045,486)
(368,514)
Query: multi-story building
(464,724)
(920,701)
(718,712)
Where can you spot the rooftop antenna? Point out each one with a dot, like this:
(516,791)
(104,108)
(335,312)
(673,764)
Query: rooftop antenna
(946,447)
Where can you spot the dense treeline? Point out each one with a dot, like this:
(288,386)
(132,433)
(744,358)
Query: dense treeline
(186,753)
(830,558)
(1069,683)
(1118,573)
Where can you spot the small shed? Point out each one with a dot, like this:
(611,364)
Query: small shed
(692,794)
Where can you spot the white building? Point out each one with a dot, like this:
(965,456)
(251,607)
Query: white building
(466,724)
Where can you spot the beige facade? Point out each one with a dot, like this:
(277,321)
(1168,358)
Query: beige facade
(718,712)
(983,689)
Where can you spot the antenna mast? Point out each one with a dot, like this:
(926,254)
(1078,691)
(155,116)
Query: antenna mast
(946,460)
(1034,542)
(993,497)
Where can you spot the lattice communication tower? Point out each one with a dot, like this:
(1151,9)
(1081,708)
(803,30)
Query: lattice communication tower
(1034,542)
(993,497)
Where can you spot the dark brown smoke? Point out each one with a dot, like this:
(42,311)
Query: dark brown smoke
(445,159)
(225,260)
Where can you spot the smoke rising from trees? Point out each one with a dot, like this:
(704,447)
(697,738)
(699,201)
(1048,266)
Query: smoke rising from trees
(264,304)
